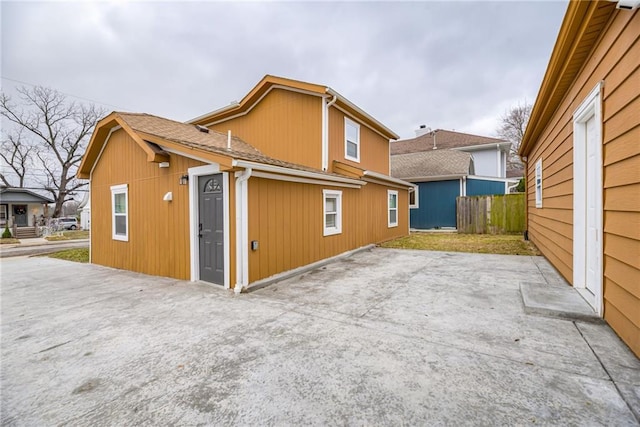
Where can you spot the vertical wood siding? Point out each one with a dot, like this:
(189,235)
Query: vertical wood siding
(158,230)
(374,149)
(614,60)
(287,221)
(285,125)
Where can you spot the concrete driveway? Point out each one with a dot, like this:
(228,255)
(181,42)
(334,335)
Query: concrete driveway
(385,337)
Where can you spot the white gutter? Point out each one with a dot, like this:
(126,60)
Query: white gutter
(231,106)
(242,230)
(294,172)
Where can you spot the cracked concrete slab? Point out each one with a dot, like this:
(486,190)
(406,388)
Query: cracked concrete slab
(385,337)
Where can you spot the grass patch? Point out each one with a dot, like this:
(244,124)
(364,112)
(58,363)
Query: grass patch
(69,235)
(9,241)
(503,244)
(77,255)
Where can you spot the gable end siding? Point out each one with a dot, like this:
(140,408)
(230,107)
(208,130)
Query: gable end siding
(284,125)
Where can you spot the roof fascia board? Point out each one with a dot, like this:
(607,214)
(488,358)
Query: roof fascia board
(152,155)
(104,144)
(92,147)
(295,172)
(574,26)
(224,161)
(433,178)
(298,179)
(481,147)
(371,176)
(389,133)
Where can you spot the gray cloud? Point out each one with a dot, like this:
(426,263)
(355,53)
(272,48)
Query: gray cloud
(453,65)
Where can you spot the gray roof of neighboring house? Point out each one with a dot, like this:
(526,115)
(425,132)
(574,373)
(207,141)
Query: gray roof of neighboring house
(445,139)
(21,195)
(431,163)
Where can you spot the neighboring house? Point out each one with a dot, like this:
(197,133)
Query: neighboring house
(460,165)
(20,210)
(582,151)
(302,176)
(84,210)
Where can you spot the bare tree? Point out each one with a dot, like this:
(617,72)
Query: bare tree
(512,127)
(59,132)
(17,155)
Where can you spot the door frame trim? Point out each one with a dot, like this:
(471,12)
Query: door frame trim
(591,106)
(194,173)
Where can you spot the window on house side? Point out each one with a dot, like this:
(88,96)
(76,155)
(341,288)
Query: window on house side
(120,212)
(332,212)
(393,208)
(539,183)
(413,198)
(351,140)
(3,214)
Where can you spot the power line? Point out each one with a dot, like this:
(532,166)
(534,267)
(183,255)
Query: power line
(67,94)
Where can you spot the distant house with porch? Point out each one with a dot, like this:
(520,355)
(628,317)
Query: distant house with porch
(20,210)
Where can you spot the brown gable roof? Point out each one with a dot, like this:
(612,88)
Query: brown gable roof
(431,163)
(445,139)
(152,131)
(189,135)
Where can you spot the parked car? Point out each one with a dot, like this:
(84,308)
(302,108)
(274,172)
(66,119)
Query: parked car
(69,223)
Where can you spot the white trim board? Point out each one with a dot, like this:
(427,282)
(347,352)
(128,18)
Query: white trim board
(591,108)
(194,173)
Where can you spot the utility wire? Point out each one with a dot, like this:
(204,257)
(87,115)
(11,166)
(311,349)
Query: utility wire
(67,94)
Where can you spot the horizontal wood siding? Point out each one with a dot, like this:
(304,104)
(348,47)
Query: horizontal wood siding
(158,230)
(374,148)
(287,221)
(614,60)
(285,125)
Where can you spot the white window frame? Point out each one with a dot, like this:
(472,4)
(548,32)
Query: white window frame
(120,189)
(337,229)
(416,199)
(538,183)
(349,122)
(389,208)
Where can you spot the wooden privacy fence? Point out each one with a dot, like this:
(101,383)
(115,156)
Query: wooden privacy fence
(495,214)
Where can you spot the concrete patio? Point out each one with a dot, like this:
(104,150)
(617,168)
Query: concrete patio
(385,337)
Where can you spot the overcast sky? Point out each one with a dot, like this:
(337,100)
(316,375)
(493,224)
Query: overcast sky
(449,65)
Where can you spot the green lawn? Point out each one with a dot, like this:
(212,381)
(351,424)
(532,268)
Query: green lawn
(77,255)
(70,235)
(504,244)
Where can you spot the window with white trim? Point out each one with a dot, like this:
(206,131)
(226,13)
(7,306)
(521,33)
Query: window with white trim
(413,198)
(120,212)
(351,140)
(392,196)
(538,183)
(332,210)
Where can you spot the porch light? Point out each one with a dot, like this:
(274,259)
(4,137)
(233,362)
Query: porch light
(184,180)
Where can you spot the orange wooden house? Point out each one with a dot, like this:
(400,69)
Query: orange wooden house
(292,175)
(582,151)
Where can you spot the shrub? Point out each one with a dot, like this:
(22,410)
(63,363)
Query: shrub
(6,234)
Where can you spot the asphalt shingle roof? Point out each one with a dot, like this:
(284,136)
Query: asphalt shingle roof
(431,163)
(445,139)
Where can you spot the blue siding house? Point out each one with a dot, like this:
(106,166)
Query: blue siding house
(440,176)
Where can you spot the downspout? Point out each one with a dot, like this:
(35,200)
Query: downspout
(525,160)
(325,131)
(242,230)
